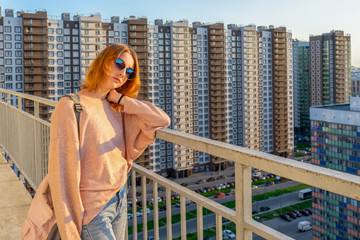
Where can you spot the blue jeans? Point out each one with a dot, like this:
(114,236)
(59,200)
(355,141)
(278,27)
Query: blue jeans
(110,223)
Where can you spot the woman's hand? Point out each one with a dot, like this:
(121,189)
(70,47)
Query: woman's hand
(113,96)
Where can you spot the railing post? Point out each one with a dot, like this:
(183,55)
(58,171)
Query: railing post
(200,225)
(144,214)
(183,217)
(243,200)
(156,211)
(168,214)
(133,195)
(37,143)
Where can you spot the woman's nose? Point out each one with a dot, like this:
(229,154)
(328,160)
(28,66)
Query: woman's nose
(122,72)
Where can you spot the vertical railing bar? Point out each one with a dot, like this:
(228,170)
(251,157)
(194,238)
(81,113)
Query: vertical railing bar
(168,214)
(36,152)
(219,227)
(156,211)
(183,217)
(133,195)
(144,215)
(200,225)
(20,160)
(127,222)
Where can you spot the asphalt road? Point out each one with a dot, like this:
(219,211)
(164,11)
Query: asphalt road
(288,228)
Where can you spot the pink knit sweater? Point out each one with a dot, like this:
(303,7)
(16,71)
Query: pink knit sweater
(86,171)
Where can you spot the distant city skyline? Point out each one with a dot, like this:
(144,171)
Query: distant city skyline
(303,18)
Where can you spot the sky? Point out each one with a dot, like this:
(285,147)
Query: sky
(302,18)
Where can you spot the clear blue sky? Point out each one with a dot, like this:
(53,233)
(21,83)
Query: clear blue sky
(302,17)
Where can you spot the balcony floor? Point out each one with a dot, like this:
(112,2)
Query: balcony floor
(14,202)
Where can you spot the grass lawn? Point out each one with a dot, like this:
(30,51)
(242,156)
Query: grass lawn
(302,146)
(299,155)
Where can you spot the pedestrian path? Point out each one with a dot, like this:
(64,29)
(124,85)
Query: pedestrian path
(14,202)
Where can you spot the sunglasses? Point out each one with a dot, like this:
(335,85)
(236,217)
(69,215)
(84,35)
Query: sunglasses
(121,65)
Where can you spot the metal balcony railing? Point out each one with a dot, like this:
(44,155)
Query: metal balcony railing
(25,137)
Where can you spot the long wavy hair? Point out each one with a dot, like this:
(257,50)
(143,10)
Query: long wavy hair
(100,69)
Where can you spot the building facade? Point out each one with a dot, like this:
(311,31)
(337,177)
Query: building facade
(335,144)
(330,68)
(301,86)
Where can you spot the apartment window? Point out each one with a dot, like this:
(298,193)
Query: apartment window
(76,76)
(60,77)
(18,45)
(8,37)
(60,62)
(8,78)
(124,34)
(59,31)
(66,31)
(18,77)
(8,61)
(60,54)
(8,69)
(8,45)
(75,32)
(67,76)
(18,69)
(7,29)
(76,46)
(18,85)
(67,46)
(75,39)
(8,53)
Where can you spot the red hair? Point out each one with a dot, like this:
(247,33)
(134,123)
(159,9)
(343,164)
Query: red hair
(100,68)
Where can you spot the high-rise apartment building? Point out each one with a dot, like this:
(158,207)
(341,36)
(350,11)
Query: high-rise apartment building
(330,62)
(335,144)
(301,75)
(11,58)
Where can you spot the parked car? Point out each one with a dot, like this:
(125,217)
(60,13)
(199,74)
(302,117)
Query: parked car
(229,233)
(309,211)
(184,184)
(298,214)
(162,208)
(211,179)
(254,212)
(230,192)
(254,187)
(222,177)
(257,174)
(152,200)
(304,212)
(140,212)
(201,181)
(220,195)
(266,208)
(271,183)
(286,217)
(270,175)
(130,216)
(291,214)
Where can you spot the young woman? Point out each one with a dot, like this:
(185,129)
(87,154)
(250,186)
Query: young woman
(88,168)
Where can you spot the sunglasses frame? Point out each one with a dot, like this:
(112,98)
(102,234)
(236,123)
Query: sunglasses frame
(120,64)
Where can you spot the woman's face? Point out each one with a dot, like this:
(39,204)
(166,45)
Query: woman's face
(118,77)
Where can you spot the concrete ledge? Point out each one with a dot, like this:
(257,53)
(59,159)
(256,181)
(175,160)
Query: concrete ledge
(14,202)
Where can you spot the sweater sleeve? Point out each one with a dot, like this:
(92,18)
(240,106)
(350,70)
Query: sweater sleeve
(141,120)
(64,170)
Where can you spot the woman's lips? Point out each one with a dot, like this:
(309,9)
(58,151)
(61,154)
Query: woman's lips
(116,80)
